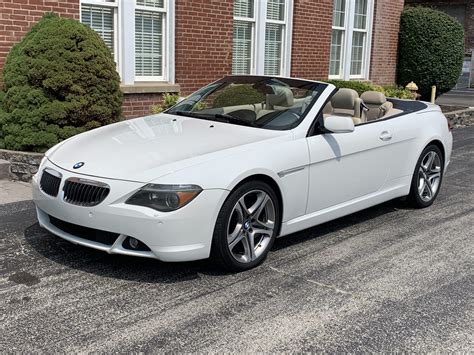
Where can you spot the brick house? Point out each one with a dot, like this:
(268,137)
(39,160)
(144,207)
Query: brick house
(463,11)
(180,45)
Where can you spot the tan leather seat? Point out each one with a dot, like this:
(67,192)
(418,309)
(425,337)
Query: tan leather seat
(346,102)
(281,99)
(377,105)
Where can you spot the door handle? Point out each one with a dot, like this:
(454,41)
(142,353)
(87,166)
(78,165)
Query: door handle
(385,136)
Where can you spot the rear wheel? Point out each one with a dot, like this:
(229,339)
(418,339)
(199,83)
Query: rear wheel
(427,177)
(246,227)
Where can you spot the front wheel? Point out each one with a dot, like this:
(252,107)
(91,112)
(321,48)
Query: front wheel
(246,227)
(427,178)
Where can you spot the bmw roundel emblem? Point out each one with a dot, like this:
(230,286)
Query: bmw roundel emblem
(78,165)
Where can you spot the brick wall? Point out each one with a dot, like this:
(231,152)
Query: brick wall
(203,42)
(385,30)
(18,16)
(136,105)
(312,21)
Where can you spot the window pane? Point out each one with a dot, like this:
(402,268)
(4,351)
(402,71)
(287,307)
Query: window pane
(101,20)
(242,48)
(358,43)
(276,10)
(151,3)
(244,8)
(360,14)
(339,12)
(337,39)
(148,43)
(273,48)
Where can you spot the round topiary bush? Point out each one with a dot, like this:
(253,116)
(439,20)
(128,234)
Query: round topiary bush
(60,80)
(431,50)
(238,95)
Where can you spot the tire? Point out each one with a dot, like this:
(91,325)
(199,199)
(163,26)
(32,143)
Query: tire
(427,178)
(242,221)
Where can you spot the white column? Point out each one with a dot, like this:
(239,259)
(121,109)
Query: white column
(127,20)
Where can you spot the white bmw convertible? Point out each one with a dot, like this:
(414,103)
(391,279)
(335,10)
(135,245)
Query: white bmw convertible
(237,164)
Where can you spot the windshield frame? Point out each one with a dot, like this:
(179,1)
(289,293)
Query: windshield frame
(317,87)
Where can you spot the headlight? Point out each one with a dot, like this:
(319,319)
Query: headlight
(164,198)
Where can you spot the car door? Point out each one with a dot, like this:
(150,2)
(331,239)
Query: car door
(348,166)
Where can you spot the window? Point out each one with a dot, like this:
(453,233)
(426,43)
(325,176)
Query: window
(139,33)
(244,26)
(101,18)
(149,38)
(262,32)
(350,44)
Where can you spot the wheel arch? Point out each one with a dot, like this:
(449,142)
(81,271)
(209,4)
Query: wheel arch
(440,145)
(273,184)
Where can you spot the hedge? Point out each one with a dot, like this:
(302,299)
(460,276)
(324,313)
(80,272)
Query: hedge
(363,86)
(431,50)
(60,80)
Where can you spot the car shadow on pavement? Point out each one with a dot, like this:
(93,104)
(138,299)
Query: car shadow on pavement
(137,269)
(340,223)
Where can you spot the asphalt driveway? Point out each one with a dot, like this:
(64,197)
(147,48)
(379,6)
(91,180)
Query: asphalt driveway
(385,279)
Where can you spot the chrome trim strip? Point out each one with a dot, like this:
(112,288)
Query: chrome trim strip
(87,182)
(290,171)
(53,172)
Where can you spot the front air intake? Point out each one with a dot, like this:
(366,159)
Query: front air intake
(83,192)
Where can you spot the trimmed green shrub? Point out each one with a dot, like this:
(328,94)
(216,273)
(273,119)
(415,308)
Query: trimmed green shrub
(238,95)
(60,80)
(363,86)
(359,86)
(431,50)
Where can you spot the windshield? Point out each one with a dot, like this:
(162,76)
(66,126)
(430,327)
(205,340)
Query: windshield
(256,101)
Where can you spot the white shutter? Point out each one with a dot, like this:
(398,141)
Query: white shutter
(101,20)
(243,8)
(242,48)
(276,10)
(151,3)
(273,48)
(243,35)
(148,44)
(357,56)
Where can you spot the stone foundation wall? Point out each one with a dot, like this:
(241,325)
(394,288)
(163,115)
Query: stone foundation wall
(23,165)
(461,118)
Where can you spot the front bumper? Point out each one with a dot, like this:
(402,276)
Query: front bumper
(182,235)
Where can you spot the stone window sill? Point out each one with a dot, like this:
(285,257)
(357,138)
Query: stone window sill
(149,88)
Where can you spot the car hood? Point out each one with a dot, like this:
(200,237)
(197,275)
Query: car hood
(146,148)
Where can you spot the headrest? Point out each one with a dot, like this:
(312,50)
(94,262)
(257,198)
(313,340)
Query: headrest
(373,98)
(344,99)
(282,96)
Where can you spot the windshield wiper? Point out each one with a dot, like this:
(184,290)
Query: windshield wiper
(216,117)
(236,120)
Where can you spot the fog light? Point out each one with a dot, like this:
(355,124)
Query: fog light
(133,243)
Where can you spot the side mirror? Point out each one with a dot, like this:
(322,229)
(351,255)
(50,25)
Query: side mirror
(339,124)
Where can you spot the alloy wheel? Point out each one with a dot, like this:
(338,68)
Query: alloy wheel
(429,176)
(250,226)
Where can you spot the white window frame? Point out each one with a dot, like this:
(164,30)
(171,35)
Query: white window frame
(124,39)
(346,51)
(258,37)
(253,21)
